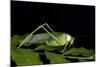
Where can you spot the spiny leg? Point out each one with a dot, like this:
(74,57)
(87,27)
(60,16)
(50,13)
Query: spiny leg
(52,35)
(41,26)
(64,50)
(29,36)
(48,26)
(49,33)
(65,47)
(71,43)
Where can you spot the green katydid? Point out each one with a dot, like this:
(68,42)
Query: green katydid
(49,38)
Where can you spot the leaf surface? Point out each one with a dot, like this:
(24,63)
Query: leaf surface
(25,57)
(76,52)
(55,58)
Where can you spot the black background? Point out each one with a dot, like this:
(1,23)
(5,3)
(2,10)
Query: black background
(77,20)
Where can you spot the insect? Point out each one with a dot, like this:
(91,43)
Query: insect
(50,38)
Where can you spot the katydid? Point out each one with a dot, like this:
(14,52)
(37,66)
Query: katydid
(49,38)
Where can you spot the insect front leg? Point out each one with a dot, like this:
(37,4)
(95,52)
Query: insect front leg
(65,47)
(70,42)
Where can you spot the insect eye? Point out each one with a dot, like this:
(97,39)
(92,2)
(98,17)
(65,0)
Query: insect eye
(68,37)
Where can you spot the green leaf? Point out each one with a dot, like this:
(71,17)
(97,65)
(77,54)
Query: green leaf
(15,40)
(82,60)
(79,51)
(55,58)
(25,57)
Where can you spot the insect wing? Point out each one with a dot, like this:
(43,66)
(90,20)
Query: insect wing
(40,38)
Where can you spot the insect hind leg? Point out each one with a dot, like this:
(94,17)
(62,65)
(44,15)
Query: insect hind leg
(30,35)
(46,24)
(41,26)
